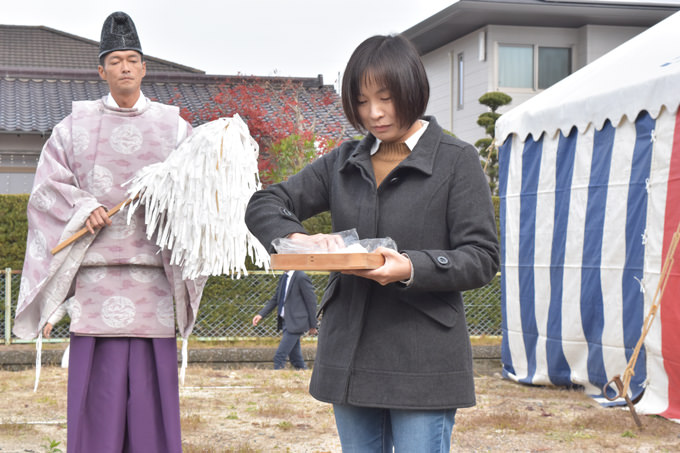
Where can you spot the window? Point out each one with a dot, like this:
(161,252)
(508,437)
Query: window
(521,66)
(554,64)
(516,66)
(461,79)
(482,45)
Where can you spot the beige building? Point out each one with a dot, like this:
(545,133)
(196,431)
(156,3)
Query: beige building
(519,47)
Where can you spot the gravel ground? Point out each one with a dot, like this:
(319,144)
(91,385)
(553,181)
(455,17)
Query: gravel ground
(255,410)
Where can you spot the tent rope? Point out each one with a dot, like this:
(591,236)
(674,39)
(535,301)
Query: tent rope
(623,385)
(656,301)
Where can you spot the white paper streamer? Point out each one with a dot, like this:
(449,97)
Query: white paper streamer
(38,361)
(196,199)
(185,360)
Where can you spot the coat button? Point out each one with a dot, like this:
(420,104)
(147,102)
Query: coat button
(394,180)
(442,260)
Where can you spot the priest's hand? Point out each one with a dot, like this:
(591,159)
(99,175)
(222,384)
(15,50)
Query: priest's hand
(98,219)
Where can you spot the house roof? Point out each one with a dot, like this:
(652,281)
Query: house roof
(23,46)
(35,101)
(466,16)
(42,71)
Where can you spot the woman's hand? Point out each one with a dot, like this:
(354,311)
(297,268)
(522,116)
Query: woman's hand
(397,268)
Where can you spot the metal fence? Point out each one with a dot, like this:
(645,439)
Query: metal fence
(228,306)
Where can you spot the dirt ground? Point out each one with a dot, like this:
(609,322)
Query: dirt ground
(255,410)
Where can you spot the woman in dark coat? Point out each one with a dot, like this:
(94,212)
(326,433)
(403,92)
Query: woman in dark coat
(393,355)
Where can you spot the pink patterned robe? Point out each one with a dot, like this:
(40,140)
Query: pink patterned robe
(121,284)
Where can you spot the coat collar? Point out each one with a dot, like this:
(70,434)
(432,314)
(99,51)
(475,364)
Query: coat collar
(421,158)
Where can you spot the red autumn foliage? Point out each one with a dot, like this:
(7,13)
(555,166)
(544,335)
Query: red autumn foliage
(281,115)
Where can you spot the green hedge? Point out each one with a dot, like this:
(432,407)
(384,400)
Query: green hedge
(13,230)
(320,223)
(226,301)
(483,309)
(228,305)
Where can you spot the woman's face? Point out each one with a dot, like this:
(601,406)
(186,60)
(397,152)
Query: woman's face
(377,114)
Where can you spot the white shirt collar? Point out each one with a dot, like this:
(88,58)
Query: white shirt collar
(410,142)
(140,104)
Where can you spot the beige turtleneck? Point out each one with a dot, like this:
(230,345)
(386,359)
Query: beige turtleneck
(387,157)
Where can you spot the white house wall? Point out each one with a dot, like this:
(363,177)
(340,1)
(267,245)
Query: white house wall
(441,66)
(438,64)
(18,158)
(599,39)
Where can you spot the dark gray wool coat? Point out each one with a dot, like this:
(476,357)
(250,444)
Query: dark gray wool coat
(394,346)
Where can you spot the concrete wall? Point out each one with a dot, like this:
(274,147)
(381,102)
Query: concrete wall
(486,359)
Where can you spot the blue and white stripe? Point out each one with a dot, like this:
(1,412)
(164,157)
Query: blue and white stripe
(575,226)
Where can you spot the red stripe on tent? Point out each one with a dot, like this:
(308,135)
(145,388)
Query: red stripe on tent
(670,303)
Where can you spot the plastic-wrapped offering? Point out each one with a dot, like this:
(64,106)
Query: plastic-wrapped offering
(356,253)
(349,237)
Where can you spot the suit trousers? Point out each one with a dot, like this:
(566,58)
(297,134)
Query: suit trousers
(289,347)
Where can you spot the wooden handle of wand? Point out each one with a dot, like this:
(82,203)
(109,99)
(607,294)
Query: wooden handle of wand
(83,231)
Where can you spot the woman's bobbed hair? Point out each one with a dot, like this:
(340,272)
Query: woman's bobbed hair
(393,63)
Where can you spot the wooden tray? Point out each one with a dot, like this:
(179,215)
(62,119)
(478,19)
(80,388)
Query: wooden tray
(326,261)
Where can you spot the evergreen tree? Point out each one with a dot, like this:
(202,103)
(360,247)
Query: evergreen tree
(488,150)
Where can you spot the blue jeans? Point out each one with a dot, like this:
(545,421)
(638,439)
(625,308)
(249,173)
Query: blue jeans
(289,346)
(371,430)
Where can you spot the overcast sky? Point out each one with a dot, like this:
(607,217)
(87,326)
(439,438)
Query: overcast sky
(253,37)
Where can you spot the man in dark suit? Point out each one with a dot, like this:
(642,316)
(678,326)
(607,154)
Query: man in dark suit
(295,301)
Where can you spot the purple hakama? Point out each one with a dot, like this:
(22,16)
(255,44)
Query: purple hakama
(123,395)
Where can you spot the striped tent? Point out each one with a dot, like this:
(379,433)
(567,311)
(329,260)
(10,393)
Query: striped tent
(590,197)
